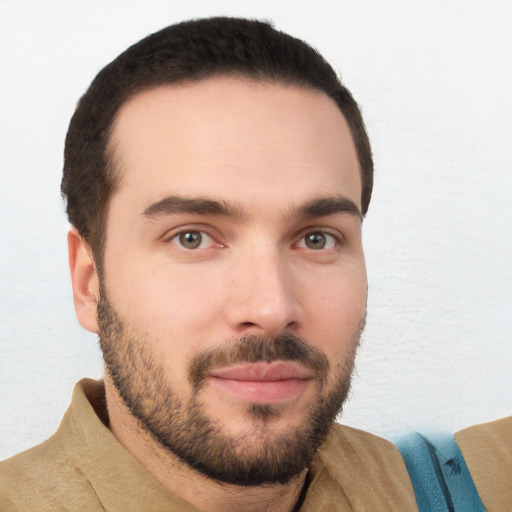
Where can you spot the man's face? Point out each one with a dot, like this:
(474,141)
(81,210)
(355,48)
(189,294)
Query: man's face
(234,287)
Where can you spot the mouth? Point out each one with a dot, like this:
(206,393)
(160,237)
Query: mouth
(262,383)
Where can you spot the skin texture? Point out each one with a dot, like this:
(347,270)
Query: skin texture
(236,218)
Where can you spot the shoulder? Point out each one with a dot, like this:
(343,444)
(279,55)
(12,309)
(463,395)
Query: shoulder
(487,451)
(41,479)
(35,480)
(368,468)
(49,476)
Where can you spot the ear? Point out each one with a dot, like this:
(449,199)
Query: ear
(84,279)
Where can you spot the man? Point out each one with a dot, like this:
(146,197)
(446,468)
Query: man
(216,176)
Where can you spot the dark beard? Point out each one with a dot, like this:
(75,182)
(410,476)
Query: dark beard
(262,457)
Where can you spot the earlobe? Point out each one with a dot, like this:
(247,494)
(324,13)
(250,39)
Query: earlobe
(84,279)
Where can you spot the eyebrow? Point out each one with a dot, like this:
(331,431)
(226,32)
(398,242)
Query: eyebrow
(196,206)
(332,205)
(319,207)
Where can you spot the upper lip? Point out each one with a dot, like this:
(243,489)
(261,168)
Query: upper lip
(263,372)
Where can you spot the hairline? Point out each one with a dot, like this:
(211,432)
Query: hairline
(114,159)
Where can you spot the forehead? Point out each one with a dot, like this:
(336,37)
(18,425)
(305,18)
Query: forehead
(233,137)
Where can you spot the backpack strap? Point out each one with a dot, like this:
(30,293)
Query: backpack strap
(440,477)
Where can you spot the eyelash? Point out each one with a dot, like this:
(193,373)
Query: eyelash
(177,235)
(330,239)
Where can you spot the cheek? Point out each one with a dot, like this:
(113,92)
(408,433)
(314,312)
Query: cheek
(336,313)
(176,308)
(339,292)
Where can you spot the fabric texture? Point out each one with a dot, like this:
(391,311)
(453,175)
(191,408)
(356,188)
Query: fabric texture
(487,450)
(84,468)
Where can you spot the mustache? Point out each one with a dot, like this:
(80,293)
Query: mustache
(254,349)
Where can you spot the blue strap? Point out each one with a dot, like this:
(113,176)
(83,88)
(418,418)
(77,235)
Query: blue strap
(439,474)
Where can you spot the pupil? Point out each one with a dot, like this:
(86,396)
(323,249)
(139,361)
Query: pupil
(190,240)
(316,241)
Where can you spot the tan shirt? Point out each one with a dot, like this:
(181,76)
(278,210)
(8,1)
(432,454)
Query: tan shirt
(487,451)
(84,468)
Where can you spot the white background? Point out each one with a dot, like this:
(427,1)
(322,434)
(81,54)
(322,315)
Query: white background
(434,80)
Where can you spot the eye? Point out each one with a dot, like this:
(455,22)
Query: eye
(192,240)
(317,240)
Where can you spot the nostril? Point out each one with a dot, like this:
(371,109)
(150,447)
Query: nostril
(266,329)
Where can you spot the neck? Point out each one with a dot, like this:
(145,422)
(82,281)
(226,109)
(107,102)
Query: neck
(199,490)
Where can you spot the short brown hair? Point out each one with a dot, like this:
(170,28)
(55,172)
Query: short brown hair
(188,51)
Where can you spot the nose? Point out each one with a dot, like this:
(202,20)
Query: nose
(263,297)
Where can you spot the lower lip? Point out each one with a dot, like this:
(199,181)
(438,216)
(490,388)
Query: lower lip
(261,392)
